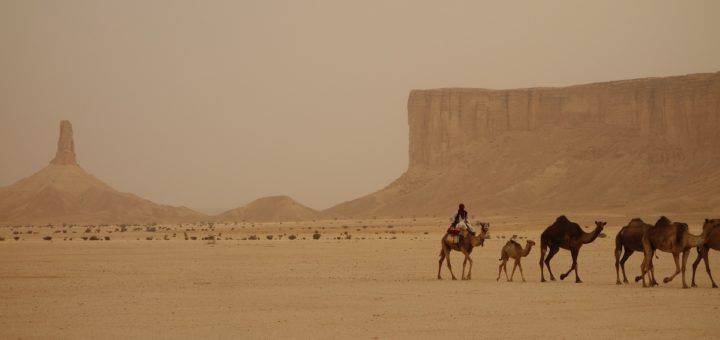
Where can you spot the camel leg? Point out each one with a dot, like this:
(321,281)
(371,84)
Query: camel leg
(521,273)
(500,268)
(676,257)
(505,270)
(462,276)
(653,282)
(707,265)
(651,274)
(617,266)
(695,264)
(513,271)
(447,258)
(685,255)
(552,253)
(543,249)
(469,275)
(442,258)
(574,253)
(624,259)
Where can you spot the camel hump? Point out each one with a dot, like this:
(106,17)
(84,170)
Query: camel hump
(637,220)
(662,221)
(562,219)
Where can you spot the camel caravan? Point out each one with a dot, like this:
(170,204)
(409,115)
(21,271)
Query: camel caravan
(636,236)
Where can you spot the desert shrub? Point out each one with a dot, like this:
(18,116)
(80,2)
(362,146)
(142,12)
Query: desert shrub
(253,237)
(149,238)
(425,233)
(107,238)
(94,238)
(166,238)
(84,238)
(193,238)
(209,238)
(16,238)
(244,239)
(151,229)
(2,238)
(292,237)
(47,238)
(269,237)
(316,235)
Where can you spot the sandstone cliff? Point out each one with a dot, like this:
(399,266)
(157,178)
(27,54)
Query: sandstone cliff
(632,146)
(63,192)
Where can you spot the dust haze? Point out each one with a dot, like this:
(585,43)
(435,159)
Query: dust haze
(213,105)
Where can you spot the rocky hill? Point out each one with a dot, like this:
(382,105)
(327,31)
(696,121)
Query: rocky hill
(63,192)
(270,209)
(632,146)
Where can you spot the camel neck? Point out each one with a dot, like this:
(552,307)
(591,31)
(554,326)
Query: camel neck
(526,251)
(591,236)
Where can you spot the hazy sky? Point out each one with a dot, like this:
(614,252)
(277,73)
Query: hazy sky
(211,104)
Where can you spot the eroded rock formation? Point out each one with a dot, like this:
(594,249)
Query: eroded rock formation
(644,144)
(65,154)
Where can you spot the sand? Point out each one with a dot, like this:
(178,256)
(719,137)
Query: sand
(383,286)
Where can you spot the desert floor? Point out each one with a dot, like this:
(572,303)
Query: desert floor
(379,283)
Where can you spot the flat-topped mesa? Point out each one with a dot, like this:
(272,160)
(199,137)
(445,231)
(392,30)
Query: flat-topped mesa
(683,110)
(66,146)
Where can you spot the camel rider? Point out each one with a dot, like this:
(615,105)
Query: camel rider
(462,216)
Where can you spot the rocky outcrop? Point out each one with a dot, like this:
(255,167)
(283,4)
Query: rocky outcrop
(645,144)
(270,209)
(63,192)
(65,154)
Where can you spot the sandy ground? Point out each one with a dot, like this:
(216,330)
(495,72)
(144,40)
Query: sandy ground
(383,286)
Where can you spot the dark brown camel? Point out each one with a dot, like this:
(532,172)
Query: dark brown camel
(711,233)
(566,235)
(466,245)
(629,238)
(670,237)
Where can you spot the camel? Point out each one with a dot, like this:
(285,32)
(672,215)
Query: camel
(566,235)
(711,233)
(670,237)
(513,250)
(629,238)
(465,246)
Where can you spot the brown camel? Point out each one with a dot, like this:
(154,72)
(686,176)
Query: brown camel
(670,237)
(566,235)
(711,233)
(467,243)
(513,250)
(629,238)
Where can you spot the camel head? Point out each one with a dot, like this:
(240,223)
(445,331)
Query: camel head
(479,240)
(600,225)
(530,243)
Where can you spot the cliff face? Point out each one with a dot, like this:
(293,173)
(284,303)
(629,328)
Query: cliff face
(683,110)
(635,145)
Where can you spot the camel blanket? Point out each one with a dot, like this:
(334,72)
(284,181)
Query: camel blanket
(453,239)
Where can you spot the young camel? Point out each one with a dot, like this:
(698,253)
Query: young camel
(467,243)
(711,232)
(670,237)
(513,250)
(566,235)
(630,238)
